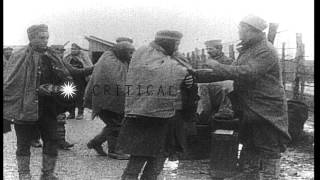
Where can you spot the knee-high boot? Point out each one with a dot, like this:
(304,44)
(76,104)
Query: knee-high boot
(48,166)
(24,167)
(61,132)
(270,169)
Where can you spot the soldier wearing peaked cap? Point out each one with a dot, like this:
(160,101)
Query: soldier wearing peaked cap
(80,67)
(214,49)
(110,73)
(153,128)
(31,94)
(121,39)
(7,52)
(214,100)
(260,97)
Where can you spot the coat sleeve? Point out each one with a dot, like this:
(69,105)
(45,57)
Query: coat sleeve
(253,70)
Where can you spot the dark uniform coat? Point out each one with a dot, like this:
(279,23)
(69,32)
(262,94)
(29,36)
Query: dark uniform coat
(22,80)
(257,82)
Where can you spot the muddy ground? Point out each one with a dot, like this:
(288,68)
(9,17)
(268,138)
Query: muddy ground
(81,163)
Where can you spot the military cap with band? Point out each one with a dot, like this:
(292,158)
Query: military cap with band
(7,49)
(213,43)
(167,34)
(121,39)
(36,29)
(255,21)
(75,46)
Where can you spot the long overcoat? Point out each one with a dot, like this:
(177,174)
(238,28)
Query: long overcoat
(153,123)
(257,82)
(21,83)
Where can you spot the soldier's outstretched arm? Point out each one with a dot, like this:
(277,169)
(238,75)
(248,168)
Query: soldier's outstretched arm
(250,72)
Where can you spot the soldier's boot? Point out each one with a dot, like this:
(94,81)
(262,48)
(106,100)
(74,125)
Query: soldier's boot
(36,143)
(61,133)
(133,169)
(249,166)
(97,141)
(72,114)
(48,166)
(80,113)
(153,169)
(24,167)
(112,153)
(270,169)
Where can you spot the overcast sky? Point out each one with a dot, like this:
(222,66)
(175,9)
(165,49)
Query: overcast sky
(201,20)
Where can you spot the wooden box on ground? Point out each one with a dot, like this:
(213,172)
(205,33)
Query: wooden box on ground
(224,153)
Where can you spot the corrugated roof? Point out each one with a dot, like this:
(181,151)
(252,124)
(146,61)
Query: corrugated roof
(93,38)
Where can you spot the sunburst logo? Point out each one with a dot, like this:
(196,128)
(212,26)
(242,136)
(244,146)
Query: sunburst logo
(68,89)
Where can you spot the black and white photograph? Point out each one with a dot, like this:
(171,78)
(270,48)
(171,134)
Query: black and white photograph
(158,90)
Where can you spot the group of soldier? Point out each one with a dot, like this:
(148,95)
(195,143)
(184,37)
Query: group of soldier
(146,128)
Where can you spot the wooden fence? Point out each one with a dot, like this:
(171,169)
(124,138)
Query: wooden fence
(297,73)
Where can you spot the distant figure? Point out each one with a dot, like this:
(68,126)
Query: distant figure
(214,49)
(31,91)
(78,60)
(61,118)
(105,95)
(7,52)
(214,99)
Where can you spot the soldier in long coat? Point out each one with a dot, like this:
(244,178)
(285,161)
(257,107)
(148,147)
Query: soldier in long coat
(31,90)
(215,100)
(153,123)
(105,95)
(261,98)
(78,60)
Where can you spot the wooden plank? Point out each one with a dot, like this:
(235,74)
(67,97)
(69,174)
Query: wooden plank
(284,78)
(298,57)
(231,51)
(273,27)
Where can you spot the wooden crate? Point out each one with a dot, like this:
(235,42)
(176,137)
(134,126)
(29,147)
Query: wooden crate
(224,153)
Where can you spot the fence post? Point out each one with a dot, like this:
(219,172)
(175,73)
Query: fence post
(193,59)
(203,56)
(272,32)
(231,52)
(302,72)
(299,52)
(284,78)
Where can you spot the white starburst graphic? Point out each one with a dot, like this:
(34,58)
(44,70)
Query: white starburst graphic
(68,89)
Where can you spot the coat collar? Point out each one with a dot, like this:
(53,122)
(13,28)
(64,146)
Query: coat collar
(157,47)
(242,46)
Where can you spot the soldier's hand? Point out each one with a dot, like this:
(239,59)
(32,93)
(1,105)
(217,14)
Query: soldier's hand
(211,63)
(48,89)
(188,81)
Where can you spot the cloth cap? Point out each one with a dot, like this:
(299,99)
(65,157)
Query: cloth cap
(58,47)
(213,43)
(7,49)
(75,46)
(166,34)
(124,45)
(121,39)
(36,29)
(255,22)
